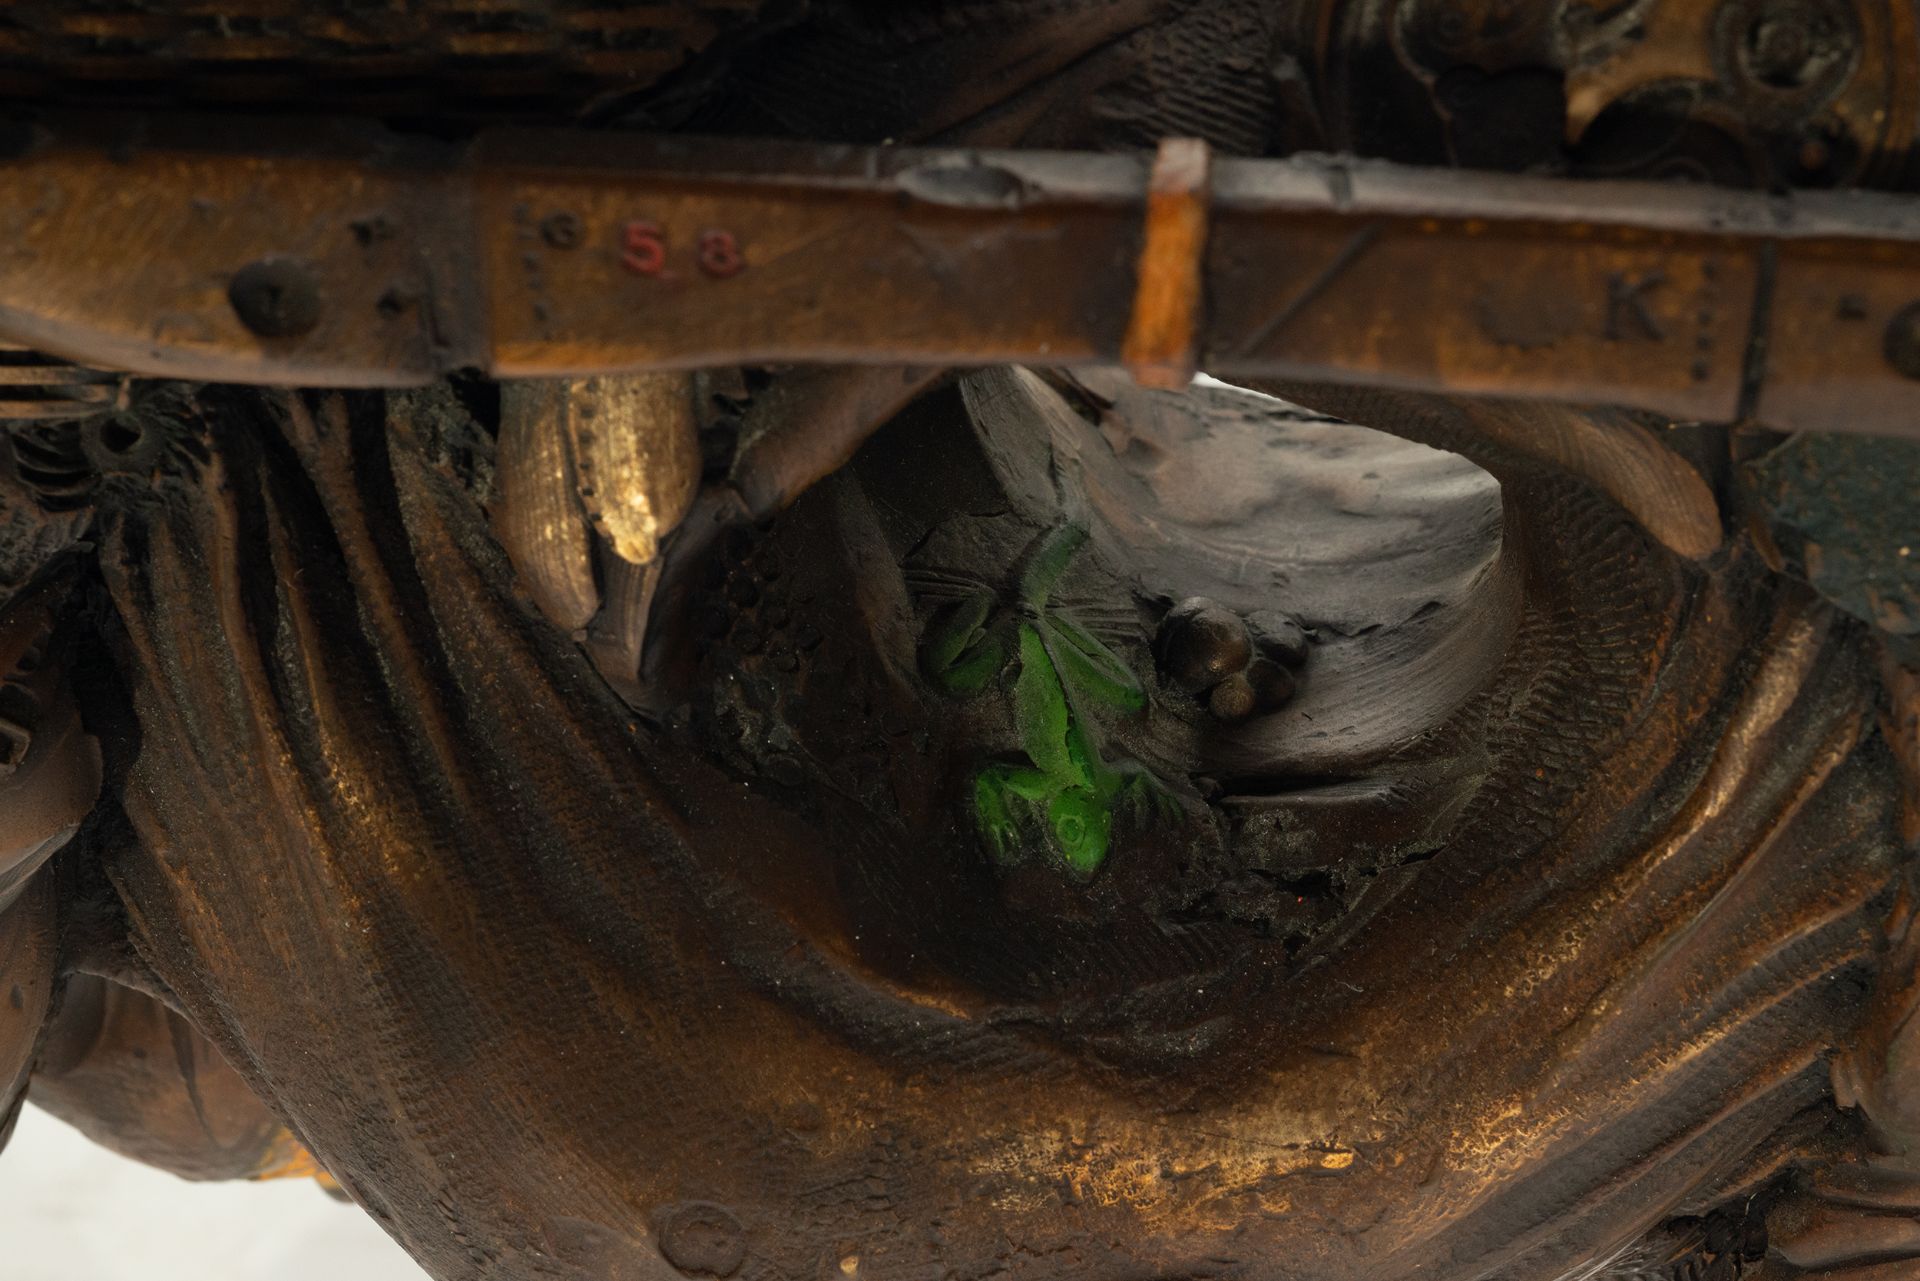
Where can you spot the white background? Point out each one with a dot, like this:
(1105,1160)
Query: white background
(72,1211)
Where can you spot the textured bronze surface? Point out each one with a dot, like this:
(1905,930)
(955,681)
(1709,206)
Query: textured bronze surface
(1710,947)
(134,1076)
(599,646)
(470,57)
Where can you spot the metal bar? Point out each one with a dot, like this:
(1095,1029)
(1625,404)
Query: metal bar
(51,374)
(361,258)
(1696,303)
(693,253)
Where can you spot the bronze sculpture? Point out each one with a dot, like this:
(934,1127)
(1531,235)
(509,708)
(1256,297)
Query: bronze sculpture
(902,798)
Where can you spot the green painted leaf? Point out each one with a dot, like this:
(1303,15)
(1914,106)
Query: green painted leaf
(962,651)
(1049,560)
(1040,709)
(1089,666)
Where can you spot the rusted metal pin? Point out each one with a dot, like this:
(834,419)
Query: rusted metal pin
(1162,345)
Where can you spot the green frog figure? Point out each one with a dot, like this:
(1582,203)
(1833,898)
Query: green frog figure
(1063,795)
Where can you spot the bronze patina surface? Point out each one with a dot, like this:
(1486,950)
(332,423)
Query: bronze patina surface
(370,259)
(623,635)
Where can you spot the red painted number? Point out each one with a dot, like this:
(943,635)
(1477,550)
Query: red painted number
(643,251)
(720,254)
(644,248)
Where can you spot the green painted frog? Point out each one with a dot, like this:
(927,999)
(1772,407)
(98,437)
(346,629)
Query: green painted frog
(1063,794)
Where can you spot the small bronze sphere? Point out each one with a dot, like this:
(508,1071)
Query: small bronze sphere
(1233,699)
(1201,643)
(1280,637)
(1273,685)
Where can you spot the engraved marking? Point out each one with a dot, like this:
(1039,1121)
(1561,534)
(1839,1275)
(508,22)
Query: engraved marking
(1704,335)
(373,230)
(1356,245)
(1753,366)
(528,234)
(1627,301)
(562,230)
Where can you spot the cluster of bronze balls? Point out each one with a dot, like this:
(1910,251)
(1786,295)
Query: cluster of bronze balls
(1239,667)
